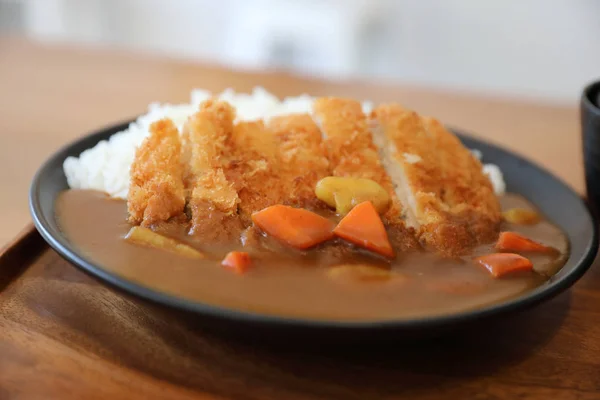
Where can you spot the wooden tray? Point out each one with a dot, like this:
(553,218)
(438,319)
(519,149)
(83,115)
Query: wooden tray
(63,335)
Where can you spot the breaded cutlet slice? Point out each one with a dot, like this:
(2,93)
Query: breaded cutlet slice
(467,190)
(427,168)
(352,153)
(206,133)
(253,168)
(409,155)
(156,189)
(211,197)
(303,159)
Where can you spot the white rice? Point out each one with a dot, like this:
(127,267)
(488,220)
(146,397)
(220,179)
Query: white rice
(105,167)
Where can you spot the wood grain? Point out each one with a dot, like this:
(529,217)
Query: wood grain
(66,336)
(52,94)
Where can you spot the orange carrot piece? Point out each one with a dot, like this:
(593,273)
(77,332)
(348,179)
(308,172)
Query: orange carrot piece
(363,227)
(238,261)
(297,227)
(501,264)
(512,241)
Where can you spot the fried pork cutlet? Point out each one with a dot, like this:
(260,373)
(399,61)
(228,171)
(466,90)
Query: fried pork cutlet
(303,159)
(156,189)
(437,179)
(466,188)
(212,199)
(352,153)
(252,168)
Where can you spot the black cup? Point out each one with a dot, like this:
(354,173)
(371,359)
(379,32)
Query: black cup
(590,128)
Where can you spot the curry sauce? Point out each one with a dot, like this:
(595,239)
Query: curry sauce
(305,284)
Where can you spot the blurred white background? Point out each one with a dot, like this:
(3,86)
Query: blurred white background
(544,49)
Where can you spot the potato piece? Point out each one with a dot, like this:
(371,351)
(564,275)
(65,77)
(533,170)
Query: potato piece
(146,237)
(344,193)
(362,272)
(521,216)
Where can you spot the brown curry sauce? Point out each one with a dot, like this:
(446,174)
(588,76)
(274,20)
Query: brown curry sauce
(291,283)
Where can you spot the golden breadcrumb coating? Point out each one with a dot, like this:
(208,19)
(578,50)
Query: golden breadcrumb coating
(205,137)
(352,153)
(205,134)
(156,190)
(253,166)
(225,171)
(303,158)
(467,190)
(432,170)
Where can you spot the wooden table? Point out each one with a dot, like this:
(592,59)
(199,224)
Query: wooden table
(51,94)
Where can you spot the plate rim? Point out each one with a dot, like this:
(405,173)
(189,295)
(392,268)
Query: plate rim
(525,300)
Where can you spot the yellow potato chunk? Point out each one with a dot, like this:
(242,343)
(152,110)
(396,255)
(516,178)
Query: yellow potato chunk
(362,273)
(344,193)
(521,216)
(146,237)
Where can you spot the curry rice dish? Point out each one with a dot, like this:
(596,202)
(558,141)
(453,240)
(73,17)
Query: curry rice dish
(333,214)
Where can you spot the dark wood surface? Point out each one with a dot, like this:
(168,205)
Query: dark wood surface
(63,335)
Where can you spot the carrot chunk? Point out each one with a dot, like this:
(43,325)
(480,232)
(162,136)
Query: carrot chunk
(363,227)
(238,261)
(512,241)
(501,264)
(296,227)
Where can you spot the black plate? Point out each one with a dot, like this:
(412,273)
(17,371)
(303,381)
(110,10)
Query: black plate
(556,200)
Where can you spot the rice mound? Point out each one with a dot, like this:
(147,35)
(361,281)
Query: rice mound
(105,167)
